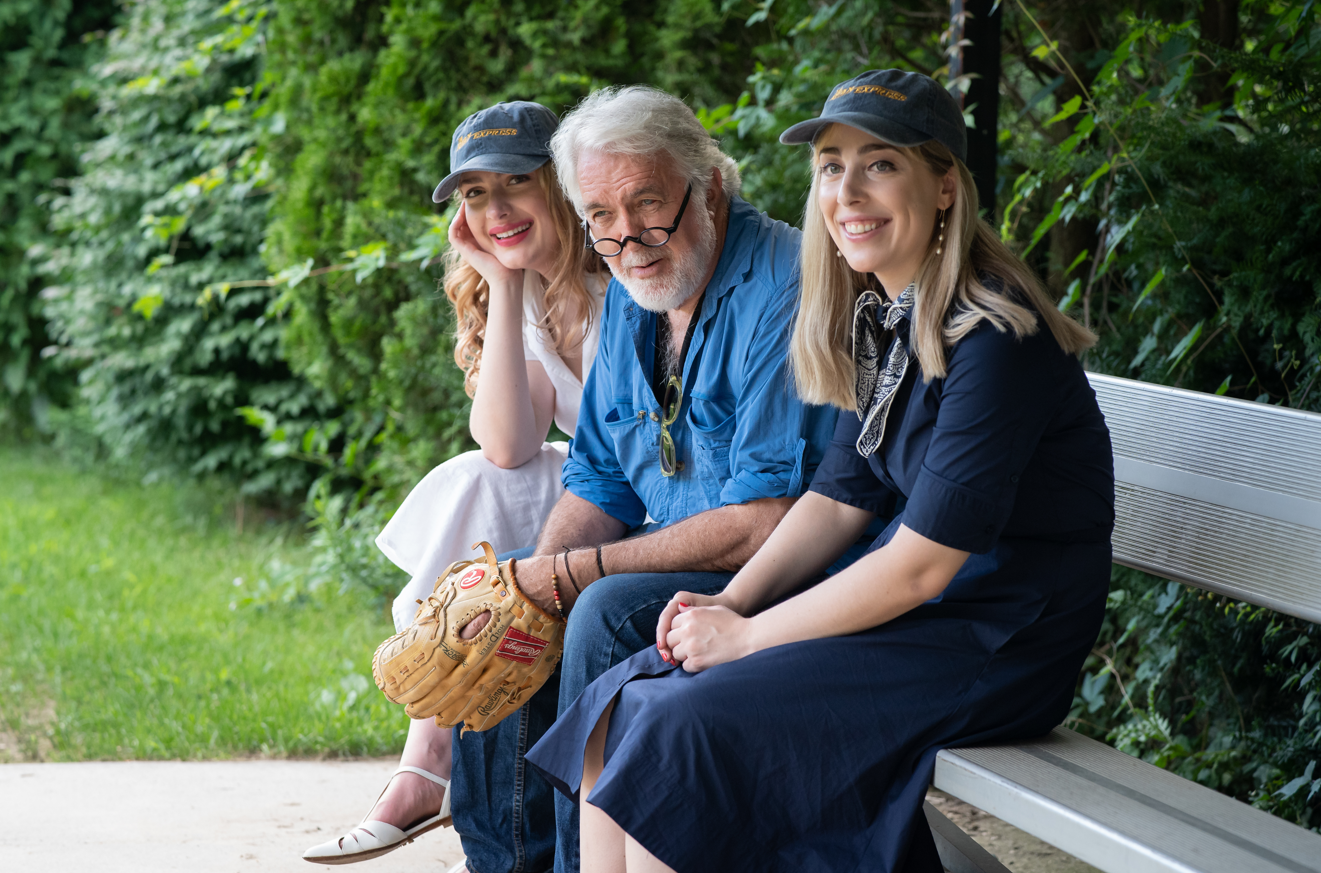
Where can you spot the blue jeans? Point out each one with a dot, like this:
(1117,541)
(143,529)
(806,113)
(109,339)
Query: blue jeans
(507,815)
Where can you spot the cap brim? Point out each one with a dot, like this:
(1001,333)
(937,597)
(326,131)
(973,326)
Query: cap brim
(490,163)
(890,131)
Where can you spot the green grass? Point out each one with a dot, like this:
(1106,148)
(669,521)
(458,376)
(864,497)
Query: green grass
(124,634)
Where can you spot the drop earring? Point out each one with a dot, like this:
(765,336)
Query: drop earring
(941,241)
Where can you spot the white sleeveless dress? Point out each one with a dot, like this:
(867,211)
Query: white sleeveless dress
(468,498)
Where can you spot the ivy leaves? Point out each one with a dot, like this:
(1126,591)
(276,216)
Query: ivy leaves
(1223,693)
(171,198)
(1163,176)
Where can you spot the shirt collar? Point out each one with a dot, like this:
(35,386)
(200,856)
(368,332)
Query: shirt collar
(732,267)
(736,255)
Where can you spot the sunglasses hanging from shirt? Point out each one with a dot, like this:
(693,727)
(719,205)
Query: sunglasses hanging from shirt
(669,415)
(671,399)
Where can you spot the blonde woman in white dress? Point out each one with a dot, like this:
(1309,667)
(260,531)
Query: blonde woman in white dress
(527,297)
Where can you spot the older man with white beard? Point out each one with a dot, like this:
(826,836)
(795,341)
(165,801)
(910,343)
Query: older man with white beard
(691,443)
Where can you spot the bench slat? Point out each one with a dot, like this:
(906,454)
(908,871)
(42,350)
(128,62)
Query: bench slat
(1269,447)
(1119,813)
(1259,560)
(1218,493)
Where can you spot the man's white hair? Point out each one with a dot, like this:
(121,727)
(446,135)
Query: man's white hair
(643,121)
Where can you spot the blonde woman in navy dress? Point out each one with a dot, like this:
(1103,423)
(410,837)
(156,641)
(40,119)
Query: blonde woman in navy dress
(792,720)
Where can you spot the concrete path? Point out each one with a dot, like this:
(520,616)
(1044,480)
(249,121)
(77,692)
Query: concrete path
(247,816)
(196,817)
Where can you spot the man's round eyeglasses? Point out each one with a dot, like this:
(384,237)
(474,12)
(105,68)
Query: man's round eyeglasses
(650,237)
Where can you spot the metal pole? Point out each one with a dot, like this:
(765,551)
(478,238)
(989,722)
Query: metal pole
(975,52)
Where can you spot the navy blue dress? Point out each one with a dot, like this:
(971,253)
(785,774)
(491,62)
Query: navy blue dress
(816,755)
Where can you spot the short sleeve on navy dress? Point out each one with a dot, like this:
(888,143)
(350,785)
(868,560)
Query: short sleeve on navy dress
(846,476)
(996,401)
(1008,444)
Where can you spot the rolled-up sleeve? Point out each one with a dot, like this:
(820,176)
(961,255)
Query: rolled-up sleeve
(778,441)
(996,403)
(592,470)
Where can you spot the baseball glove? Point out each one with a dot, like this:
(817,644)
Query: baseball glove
(475,682)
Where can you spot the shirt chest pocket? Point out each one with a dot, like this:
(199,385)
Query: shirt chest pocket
(712,425)
(635,440)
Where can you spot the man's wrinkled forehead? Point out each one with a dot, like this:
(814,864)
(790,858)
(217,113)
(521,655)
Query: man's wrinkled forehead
(605,179)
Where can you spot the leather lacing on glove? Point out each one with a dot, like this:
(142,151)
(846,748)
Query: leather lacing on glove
(437,604)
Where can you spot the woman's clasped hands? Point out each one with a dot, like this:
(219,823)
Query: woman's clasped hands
(699,631)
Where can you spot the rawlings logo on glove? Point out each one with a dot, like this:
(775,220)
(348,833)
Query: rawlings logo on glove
(477,682)
(520,647)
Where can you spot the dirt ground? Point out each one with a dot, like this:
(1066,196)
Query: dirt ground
(1019,851)
(243,816)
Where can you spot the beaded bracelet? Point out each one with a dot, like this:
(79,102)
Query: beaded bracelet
(555,587)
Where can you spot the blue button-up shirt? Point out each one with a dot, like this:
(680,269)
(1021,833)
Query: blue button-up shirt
(742,433)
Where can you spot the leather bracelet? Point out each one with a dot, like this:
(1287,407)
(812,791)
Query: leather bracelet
(555,588)
(600,568)
(568,569)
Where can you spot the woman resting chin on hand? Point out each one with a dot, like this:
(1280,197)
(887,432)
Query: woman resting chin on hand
(801,730)
(527,295)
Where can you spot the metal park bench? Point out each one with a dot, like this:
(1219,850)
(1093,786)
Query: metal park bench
(1221,494)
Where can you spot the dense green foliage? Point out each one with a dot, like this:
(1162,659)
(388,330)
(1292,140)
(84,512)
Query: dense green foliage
(370,93)
(1219,692)
(137,622)
(172,197)
(258,192)
(45,113)
(1188,207)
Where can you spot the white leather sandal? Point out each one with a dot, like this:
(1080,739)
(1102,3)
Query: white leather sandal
(372,839)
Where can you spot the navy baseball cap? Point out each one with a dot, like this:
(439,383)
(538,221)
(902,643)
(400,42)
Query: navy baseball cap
(904,109)
(505,138)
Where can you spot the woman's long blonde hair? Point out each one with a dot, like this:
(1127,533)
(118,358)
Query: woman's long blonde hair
(952,297)
(568,301)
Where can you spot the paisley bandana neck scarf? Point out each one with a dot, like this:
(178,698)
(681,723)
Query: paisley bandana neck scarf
(874,388)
